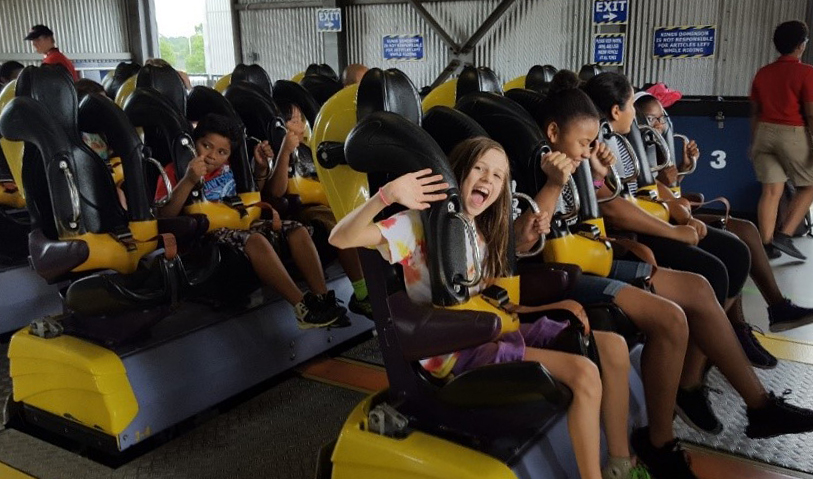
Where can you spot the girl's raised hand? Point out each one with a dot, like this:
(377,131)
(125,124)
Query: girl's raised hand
(415,190)
(601,159)
(557,167)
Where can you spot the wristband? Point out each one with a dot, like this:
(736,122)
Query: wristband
(381,195)
(597,184)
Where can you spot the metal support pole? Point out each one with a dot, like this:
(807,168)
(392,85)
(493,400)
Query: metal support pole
(335,44)
(428,18)
(237,32)
(487,24)
(142,29)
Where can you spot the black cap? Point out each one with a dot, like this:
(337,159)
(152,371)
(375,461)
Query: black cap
(39,31)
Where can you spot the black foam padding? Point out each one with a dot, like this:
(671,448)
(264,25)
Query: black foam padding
(321,87)
(388,90)
(322,69)
(479,79)
(589,71)
(254,74)
(165,80)
(448,127)
(259,113)
(292,92)
(539,77)
(121,74)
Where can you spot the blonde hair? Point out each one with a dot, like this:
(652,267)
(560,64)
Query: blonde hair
(494,222)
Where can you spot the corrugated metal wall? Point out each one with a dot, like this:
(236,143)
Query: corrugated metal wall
(80,26)
(284,40)
(218,40)
(744,33)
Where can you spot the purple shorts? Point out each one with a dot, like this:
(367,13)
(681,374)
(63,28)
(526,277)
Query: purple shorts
(509,347)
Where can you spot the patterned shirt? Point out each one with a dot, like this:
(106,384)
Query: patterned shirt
(406,245)
(628,162)
(217,184)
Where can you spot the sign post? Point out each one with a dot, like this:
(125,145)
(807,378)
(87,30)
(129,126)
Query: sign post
(608,49)
(329,20)
(696,41)
(610,12)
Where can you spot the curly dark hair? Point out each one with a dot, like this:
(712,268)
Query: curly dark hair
(789,35)
(220,125)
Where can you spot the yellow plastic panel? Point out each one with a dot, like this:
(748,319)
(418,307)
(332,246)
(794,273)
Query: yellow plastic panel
(445,95)
(223,216)
(655,208)
(74,379)
(117,170)
(222,83)
(592,256)
(299,76)
(518,82)
(11,200)
(508,322)
(309,190)
(125,90)
(13,150)
(360,454)
(108,253)
(344,188)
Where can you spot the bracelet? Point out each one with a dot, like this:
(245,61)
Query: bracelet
(597,184)
(264,177)
(381,195)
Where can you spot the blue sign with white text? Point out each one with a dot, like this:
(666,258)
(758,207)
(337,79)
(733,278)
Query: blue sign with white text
(403,47)
(329,20)
(610,11)
(685,42)
(608,49)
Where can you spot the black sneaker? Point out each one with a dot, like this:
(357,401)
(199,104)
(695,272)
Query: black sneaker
(778,418)
(784,243)
(693,407)
(361,306)
(787,315)
(667,462)
(330,300)
(312,312)
(757,355)
(771,251)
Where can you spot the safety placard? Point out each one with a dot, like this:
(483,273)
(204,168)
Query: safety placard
(329,20)
(403,47)
(685,42)
(610,12)
(608,49)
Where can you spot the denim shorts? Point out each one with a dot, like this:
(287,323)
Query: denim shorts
(591,289)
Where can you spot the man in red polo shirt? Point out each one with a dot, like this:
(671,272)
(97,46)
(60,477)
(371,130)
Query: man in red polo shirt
(782,122)
(43,40)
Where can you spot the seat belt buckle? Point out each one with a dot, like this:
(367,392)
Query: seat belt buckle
(495,296)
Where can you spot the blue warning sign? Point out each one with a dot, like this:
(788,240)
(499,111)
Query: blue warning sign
(403,47)
(608,49)
(610,12)
(685,42)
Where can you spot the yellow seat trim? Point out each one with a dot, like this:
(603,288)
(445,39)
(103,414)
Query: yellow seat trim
(518,82)
(361,454)
(73,379)
(310,191)
(223,216)
(443,95)
(595,257)
(106,252)
(222,83)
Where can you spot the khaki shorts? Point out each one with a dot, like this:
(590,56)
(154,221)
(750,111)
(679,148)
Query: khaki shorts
(783,152)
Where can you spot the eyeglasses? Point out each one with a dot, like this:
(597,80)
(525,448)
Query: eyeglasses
(655,120)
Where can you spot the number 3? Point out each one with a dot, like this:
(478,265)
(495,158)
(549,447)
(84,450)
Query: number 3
(719,159)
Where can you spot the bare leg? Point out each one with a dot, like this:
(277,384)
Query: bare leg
(582,377)
(666,330)
(768,208)
(711,331)
(349,259)
(761,271)
(307,259)
(615,368)
(799,207)
(269,268)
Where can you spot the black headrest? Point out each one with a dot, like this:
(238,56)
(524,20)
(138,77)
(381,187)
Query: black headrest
(254,74)
(589,71)
(477,79)
(321,87)
(388,90)
(385,142)
(448,127)
(510,125)
(539,77)
(292,92)
(98,114)
(165,80)
(531,101)
(53,86)
(121,74)
(149,109)
(259,113)
(322,69)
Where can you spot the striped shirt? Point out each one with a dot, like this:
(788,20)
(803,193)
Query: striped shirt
(628,162)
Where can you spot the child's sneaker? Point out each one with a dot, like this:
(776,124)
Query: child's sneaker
(361,306)
(786,315)
(622,468)
(667,462)
(693,407)
(778,418)
(312,312)
(329,300)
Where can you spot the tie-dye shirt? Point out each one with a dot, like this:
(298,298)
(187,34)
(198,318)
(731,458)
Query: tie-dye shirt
(406,246)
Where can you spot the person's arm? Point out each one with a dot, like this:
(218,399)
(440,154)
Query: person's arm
(528,228)
(756,110)
(625,215)
(262,154)
(413,190)
(557,168)
(278,184)
(180,192)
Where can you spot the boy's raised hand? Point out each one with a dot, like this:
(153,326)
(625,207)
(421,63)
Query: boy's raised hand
(557,167)
(263,154)
(196,169)
(415,190)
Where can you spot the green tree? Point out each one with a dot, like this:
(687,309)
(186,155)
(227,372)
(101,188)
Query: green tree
(167,52)
(196,61)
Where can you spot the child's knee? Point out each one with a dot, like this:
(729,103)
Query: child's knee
(298,234)
(614,352)
(257,243)
(584,379)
